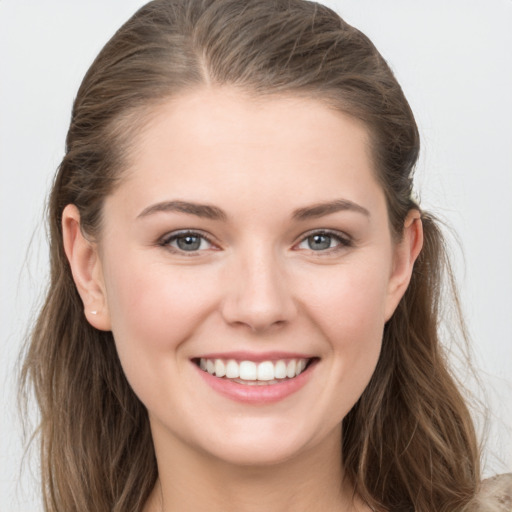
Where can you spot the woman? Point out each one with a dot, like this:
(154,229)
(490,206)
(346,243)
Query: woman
(244,295)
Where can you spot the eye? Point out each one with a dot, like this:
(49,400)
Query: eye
(323,241)
(186,241)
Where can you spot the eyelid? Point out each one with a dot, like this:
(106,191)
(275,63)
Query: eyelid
(166,240)
(344,239)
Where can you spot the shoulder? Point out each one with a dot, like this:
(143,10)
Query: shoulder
(495,494)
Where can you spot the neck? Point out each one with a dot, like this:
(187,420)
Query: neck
(191,481)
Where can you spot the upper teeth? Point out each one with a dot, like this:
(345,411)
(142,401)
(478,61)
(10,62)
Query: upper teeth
(249,370)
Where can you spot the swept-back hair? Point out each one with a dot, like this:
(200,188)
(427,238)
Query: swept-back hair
(409,442)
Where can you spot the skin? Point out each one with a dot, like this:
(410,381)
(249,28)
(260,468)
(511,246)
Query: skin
(258,285)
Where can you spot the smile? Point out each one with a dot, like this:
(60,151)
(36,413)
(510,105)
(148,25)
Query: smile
(256,379)
(254,373)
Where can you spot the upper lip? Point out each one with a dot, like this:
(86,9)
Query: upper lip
(255,356)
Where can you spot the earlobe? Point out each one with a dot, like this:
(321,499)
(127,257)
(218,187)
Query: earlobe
(83,258)
(406,252)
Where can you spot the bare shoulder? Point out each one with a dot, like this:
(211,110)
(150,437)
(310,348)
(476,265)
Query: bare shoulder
(495,494)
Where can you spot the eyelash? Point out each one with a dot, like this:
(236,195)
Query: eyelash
(168,239)
(343,241)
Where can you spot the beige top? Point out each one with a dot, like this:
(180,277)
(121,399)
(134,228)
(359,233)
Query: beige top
(496,494)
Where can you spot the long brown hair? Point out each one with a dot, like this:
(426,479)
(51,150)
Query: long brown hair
(409,442)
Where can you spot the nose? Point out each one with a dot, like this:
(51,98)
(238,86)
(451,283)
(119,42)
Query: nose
(258,293)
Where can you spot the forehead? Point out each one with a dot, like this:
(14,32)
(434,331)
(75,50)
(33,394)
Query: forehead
(226,115)
(213,143)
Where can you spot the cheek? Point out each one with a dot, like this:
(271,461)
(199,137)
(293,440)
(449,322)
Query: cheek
(349,301)
(349,308)
(154,308)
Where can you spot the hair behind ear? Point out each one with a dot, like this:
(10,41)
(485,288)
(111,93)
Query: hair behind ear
(410,440)
(88,412)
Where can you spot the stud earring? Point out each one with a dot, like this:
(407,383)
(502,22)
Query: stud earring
(94,312)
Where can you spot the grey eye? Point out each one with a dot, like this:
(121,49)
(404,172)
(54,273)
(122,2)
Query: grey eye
(324,241)
(189,242)
(319,242)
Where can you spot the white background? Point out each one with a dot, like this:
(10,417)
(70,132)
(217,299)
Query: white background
(454,61)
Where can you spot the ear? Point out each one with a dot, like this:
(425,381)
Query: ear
(86,269)
(405,254)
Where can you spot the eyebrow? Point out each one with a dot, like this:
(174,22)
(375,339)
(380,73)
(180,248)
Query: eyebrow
(321,209)
(214,213)
(200,210)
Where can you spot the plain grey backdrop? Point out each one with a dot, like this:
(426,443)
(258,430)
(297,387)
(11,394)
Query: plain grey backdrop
(454,61)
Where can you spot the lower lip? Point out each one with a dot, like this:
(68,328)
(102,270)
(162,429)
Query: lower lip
(258,393)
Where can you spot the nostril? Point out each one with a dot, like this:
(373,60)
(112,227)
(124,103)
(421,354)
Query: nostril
(258,299)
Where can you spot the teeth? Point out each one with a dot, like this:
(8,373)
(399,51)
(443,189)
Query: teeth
(251,371)
(280,370)
(232,370)
(220,368)
(248,370)
(290,369)
(265,371)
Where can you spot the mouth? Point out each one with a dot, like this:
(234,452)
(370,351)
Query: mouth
(255,373)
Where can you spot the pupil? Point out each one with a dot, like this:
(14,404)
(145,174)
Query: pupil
(189,243)
(318,242)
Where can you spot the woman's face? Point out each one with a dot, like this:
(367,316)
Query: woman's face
(251,236)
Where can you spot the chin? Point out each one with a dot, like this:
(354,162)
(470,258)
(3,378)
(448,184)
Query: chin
(260,445)
(256,454)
